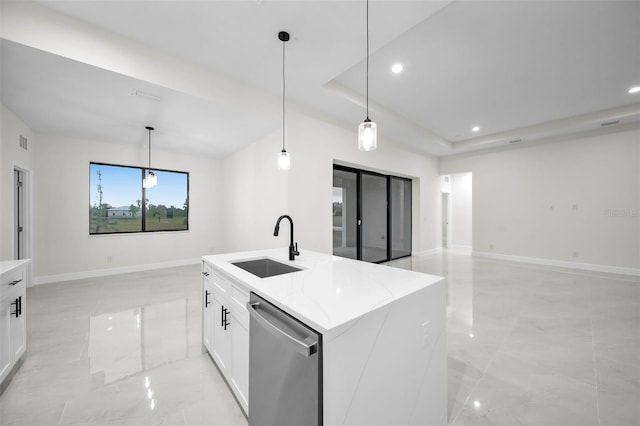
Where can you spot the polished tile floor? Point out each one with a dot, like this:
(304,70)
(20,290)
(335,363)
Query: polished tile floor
(527,345)
(533,345)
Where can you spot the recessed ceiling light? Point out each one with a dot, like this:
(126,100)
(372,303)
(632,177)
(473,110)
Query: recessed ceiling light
(476,129)
(397,68)
(634,89)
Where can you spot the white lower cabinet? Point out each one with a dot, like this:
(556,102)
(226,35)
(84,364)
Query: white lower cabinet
(13,313)
(207,313)
(225,328)
(5,337)
(221,348)
(240,344)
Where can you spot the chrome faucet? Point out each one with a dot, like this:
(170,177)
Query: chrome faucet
(293,249)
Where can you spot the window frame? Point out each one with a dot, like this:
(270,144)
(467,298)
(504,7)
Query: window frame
(143,204)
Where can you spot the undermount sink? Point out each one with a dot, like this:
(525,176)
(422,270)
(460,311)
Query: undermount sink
(265,267)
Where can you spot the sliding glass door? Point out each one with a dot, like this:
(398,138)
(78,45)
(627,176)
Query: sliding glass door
(371,215)
(345,214)
(374,217)
(400,208)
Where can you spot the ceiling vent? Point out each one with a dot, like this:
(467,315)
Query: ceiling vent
(23,142)
(515,141)
(147,96)
(610,123)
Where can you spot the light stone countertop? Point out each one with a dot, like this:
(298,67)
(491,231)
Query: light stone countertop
(330,291)
(9,265)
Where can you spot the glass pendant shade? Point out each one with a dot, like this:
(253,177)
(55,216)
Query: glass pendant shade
(150,181)
(367,135)
(284,160)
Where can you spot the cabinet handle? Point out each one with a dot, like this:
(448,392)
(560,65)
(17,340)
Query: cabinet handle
(17,311)
(223,317)
(206,298)
(226,323)
(19,305)
(206,274)
(15,282)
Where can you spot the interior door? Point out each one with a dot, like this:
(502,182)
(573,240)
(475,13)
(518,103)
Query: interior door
(19,246)
(445,220)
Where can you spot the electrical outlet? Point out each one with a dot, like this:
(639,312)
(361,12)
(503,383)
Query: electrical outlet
(574,207)
(426,330)
(109,259)
(491,246)
(576,254)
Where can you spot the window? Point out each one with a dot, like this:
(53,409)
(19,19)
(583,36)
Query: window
(119,204)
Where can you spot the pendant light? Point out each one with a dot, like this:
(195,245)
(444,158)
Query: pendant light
(151,180)
(284,160)
(367,131)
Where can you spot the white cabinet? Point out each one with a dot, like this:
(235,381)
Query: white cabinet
(207,308)
(226,329)
(5,337)
(239,375)
(221,349)
(13,311)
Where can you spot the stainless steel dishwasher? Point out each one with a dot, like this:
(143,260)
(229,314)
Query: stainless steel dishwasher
(285,368)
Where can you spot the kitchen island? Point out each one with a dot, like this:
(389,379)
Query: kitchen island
(383,332)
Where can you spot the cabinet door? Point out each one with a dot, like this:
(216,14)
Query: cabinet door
(240,343)
(240,360)
(207,315)
(5,336)
(221,335)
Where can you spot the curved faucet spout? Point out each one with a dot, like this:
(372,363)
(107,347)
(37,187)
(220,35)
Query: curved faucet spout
(293,249)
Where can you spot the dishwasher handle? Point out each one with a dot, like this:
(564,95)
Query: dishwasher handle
(300,346)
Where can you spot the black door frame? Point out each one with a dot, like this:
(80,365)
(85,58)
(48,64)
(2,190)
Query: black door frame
(359,173)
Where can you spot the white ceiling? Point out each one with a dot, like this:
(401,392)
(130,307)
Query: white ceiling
(518,69)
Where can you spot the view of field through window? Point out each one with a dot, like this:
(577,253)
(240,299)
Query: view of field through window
(118,201)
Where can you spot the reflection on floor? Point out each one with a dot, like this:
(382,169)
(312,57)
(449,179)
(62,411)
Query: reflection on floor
(527,345)
(535,345)
(119,350)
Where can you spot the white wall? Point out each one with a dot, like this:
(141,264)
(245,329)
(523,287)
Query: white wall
(257,192)
(63,247)
(571,200)
(11,155)
(461,200)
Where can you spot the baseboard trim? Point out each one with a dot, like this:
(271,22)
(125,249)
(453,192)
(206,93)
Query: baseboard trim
(430,252)
(561,263)
(461,249)
(48,279)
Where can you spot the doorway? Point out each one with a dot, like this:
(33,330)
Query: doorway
(445,220)
(21,249)
(371,215)
(457,211)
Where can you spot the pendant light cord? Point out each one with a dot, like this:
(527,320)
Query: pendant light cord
(149,129)
(367,59)
(283,94)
